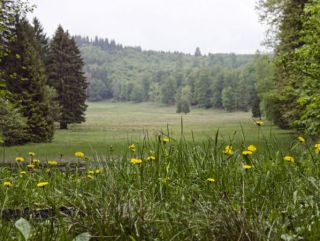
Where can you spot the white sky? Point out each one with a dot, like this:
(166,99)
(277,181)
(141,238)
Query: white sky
(215,26)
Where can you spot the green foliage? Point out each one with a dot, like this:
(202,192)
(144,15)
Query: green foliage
(26,82)
(12,126)
(65,75)
(24,227)
(228,100)
(119,73)
(289,101)
(306,68)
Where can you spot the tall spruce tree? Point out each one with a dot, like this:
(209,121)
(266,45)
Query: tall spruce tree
(66,76)
(26,83)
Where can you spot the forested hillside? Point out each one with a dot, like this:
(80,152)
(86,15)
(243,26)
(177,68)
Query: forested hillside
(131,74)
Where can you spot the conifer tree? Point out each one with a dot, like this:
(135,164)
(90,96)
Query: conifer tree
(26,82)
(66,76)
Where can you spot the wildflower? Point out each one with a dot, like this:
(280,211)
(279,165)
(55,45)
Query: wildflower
(79,154)
(211,180)
(136,161)
(247,153)
(36,161)
(301,139)
(42,184)
(132,147)
(289,158)
(22,173)
(165,140)
(247,167)
(52,163)
(317,148)
(151,158)
(19,159)
(259,123)
(7,184)
(98,170)
(32,154)
(228,150)
(90,177)
(252,148)
(30,166)
(90,172)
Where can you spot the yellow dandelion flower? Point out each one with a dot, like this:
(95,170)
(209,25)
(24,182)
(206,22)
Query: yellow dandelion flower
(36,161)
(301,139)
(19,159)
(259,123)
(228,150)
(289,158)
(151,158)
(165,140)
(52,163)
(42,184)
(90,177)
(7,184)
(22,173)
(317,148)
(132,147)
(136,161)
(90,172)
(247,167)
(98,170)
(79,154)
(247,153)
(211,179)
(30,166)
(252,148)
(32,154)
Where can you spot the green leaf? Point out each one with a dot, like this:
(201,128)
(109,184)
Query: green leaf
(83,237)
(24,227)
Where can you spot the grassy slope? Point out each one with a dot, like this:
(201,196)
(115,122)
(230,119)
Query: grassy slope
(116,124)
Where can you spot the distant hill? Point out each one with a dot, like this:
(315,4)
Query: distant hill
(132,74)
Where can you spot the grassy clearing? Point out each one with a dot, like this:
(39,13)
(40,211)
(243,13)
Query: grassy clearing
(111,126)
(189,189)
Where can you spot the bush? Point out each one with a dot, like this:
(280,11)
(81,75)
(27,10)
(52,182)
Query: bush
(12,126)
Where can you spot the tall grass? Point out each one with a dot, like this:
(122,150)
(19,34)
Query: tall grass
(171,198)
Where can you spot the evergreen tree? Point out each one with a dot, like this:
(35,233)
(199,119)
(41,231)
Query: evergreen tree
(66,76)
(26,82)
(6,35)
(42,43)
(13,126)
(197,53)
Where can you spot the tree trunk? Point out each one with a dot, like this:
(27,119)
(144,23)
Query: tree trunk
(63,125)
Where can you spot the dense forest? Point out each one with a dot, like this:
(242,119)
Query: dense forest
(130,74)
(41,80)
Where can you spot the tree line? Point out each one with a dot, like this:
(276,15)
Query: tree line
(118,73)
(42,81)
(291,96)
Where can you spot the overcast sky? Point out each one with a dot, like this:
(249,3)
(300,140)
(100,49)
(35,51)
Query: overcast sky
(215,26)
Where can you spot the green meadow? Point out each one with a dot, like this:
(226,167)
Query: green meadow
(110,127)
(208,175)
